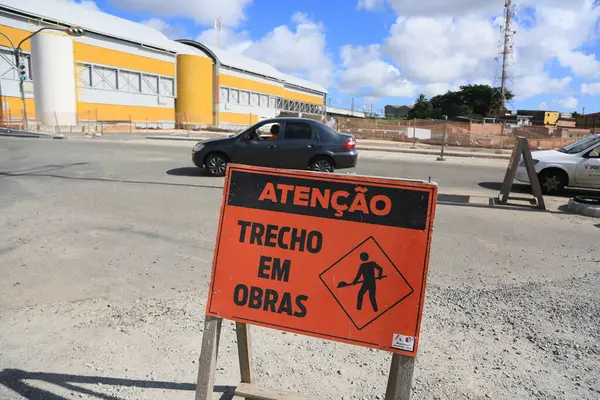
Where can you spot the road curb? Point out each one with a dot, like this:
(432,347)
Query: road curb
(31,135)
(436,153)
(179,138)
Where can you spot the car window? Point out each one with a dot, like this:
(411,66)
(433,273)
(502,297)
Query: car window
(597,150)
(269,131)
(297,130)
(581,145)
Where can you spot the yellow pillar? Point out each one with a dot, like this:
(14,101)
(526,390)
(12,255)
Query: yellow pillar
(194,90)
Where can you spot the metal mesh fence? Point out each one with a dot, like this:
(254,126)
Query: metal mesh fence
(459,134)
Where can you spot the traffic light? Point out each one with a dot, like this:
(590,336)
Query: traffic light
(22,72)
(74,31)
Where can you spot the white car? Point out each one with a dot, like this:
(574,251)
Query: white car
(576,165)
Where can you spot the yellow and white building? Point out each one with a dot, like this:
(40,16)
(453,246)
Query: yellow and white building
(122,71)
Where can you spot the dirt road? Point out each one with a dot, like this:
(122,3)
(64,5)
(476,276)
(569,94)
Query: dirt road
(105,261)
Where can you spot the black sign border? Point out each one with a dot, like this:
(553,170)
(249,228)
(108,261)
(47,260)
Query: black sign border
(347,178)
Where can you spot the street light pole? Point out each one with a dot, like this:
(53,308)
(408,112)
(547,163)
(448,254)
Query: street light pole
(22,78)
(17,51)
(12,45)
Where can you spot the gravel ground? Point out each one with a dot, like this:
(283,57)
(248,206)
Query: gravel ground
(104,283)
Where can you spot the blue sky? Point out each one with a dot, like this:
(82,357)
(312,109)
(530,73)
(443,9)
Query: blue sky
(388,51)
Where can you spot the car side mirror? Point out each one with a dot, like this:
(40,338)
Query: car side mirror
(593,154)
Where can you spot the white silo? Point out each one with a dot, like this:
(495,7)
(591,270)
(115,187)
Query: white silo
(53,73)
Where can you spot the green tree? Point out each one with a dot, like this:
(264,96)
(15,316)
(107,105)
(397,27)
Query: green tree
(423,109)
(576,114)
(469,101)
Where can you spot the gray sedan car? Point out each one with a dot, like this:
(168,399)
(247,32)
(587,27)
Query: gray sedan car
(294,143)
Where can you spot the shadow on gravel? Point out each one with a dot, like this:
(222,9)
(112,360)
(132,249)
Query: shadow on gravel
(526,189)
(20,382)
(187,171)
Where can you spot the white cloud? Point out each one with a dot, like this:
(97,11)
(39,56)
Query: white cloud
(365,74)
(585,65)
(438,43)
(590,89)
(236,42)
(568,103)
(529,85)
(300,51)
(543,106)
(370,4)
(443,49)
(167,29)
(89,4)
(201,11)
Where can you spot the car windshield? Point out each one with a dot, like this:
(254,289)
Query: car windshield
(581,145)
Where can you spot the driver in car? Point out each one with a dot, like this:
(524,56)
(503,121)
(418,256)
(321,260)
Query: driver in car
(274,132)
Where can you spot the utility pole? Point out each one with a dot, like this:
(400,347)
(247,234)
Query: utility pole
(507,49)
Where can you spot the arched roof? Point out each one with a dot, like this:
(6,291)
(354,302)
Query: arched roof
(92,20)
(70,13)
(243,63)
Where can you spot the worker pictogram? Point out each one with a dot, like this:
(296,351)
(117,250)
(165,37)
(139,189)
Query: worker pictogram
(366,283)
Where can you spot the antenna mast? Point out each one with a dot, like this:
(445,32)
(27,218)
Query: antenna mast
(507,50)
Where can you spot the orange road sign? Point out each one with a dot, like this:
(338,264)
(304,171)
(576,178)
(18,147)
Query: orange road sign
(338,257)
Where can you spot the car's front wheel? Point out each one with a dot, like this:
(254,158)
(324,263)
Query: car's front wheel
(553,181)
(216,164)
(321,164)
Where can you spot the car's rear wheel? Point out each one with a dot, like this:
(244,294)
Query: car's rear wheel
(322,164)
(553,181)
(216,164)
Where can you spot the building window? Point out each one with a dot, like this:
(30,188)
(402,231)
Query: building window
(130,81)
(149,84)
(104,78)
(224,95)
(8,70)
(272,102)
(234,96)
(244,98)
(254,99)
(84,75)
(167,86)
(264,101)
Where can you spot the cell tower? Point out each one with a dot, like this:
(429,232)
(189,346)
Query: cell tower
(507,45)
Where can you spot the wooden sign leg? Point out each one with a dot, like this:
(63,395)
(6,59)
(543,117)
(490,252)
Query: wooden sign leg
(244,352)
(534,181)
(400,379)
(511,171)
(207,363)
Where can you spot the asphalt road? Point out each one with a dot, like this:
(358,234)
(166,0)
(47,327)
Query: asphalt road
(106,251)
(170,162)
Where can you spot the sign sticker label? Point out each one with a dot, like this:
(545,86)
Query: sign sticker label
(339,257)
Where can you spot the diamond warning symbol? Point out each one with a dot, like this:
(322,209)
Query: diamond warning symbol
(366,283)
